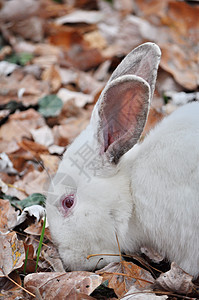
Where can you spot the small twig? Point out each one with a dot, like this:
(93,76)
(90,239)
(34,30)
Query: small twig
(17,188)
(118,244)
(103,254)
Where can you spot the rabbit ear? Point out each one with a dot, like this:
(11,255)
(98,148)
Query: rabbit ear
(143,61)
(123,106)
(123,114)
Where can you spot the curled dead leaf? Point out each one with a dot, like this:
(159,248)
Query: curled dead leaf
(175,280)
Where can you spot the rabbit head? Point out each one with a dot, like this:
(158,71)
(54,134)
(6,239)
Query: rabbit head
(89,200)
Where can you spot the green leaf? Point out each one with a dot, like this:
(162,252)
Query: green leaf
(40,243)
(20,58)
(33,199)
(50,106)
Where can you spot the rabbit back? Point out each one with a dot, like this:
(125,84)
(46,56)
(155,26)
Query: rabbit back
(165,187)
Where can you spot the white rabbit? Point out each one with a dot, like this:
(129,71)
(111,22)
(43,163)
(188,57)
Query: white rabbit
(108,184)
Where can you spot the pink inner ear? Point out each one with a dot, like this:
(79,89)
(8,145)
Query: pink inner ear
(123,115)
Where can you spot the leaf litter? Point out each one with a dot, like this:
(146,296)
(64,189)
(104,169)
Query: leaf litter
(55,59)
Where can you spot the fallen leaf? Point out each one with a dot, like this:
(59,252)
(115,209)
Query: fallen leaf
(32,182)
(182,67)
(8,147)
(35,229)
(50,106)
(52,75)
(50,254)
(13,295)
(80,99)
(153,119)
(8,285)
(175,280)
(8,216)
(29,28)
(6,165)
(136,294)
(121,276)
(54,149)
(68,75)
(50,162)
(34,148)
(34,210)
(3,187)
(6,68)
(34,201)
(81,16)
(12,253)
(20,124)
(18,10)
(65,37)
(83,58)
(61,285)
(95,40)
(65,134)
(32,88)
(43,136)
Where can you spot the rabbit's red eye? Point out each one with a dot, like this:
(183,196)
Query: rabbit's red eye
(68,201)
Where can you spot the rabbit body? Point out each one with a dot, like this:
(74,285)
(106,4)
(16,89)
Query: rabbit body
(146,194)
(165,187)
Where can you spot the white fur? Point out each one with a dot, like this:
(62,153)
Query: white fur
(151,197)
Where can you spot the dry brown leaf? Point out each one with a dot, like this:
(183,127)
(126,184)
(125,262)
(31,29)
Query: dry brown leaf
(8,285)
(68,75)
(148,294)
(50,162)
(20,124)
(43,136)
(51,9)
(176,61)
(33,182)
(81,16)
(175,280)
(86,4)
(65,134)
(31,28)
(154,118)
(65,37)
(35,229)
(18,10)
(79,98)
(84,58)
(52,75)
(13,295)
(183,18)
(61,285)
(8,216)
(8,147)
(51,256)
(95,40)
(34,148)
(88,84)
(16,82)
(12,253)
(152,10)
(132,276)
